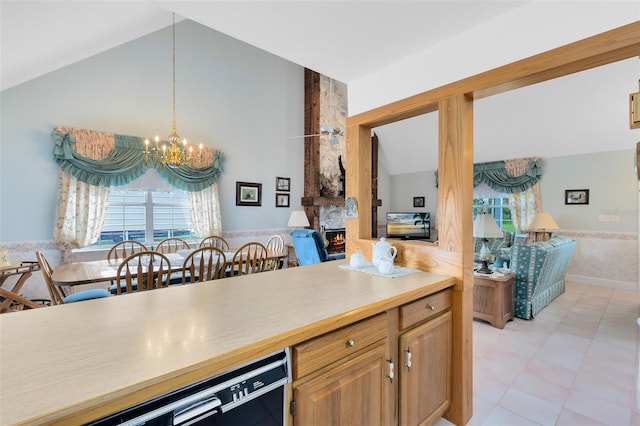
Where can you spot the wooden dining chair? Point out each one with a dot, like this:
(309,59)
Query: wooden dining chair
(146,270)
(204,264)
(274,245)
(248,259)
(57,293)
(16,302)
(172,245)
(125,249)
(215,241)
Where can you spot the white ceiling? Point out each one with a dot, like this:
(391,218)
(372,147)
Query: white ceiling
(41,36)
(38,37)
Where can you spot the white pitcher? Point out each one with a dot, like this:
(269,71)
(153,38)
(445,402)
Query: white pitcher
(383,249)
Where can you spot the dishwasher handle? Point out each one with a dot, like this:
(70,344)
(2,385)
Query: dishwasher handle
(206,398)
(197,411)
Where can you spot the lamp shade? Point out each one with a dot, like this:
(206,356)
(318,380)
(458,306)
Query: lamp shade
(298,219)
(543,221)
(486,227)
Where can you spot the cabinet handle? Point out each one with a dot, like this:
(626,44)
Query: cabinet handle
(390,375)
(351,343)
(431,307)
(408,358)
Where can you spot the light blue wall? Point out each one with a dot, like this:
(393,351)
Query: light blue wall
(609,176)
(228,95)
(611,180)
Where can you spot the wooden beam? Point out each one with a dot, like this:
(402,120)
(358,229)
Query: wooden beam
(311,146)
(611,46)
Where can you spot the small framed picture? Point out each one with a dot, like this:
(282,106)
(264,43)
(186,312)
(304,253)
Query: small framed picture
(283,184)
(282,200)
(248,194)
(418,201)
(576,196)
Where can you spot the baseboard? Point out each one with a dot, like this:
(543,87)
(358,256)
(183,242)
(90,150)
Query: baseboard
(620,285)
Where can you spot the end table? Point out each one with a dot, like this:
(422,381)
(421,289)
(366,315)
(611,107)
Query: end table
(493,298)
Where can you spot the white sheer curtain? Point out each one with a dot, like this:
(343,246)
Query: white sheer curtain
(524,207)
(81,210)
(205,211)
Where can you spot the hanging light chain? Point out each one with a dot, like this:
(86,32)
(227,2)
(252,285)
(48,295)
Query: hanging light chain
(176,153)
(173,27)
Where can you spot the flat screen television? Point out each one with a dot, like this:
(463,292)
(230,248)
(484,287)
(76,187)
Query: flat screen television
(409,225)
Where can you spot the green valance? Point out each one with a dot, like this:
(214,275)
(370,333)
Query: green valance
(496,175)
(127,161)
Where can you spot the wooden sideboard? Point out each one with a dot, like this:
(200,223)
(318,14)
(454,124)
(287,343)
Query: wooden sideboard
(103,355)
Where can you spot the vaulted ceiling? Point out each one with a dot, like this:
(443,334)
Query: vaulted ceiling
(41,36)
(346,40)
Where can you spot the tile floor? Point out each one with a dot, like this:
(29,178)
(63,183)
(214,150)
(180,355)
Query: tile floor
(575,364)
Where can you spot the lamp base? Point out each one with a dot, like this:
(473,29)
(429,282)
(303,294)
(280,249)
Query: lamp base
(541,236)
(484,269)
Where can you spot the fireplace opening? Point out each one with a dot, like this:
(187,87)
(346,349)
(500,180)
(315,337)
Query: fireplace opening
(336,240)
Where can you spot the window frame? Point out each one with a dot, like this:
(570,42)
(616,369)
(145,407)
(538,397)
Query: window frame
(496,210)
(151,206)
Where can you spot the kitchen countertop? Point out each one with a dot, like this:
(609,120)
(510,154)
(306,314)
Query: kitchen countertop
(84,360)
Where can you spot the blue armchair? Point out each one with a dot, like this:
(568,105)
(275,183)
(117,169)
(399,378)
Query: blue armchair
(309,247)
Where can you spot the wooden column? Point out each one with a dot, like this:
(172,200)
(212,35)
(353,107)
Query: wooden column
(455,230)
(359,183)
(311,147)
(375,202)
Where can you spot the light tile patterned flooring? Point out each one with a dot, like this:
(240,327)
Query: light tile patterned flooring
(576,363)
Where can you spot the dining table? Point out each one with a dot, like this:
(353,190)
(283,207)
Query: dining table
(96,271)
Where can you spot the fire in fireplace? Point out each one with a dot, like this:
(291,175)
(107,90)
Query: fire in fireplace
(336,240)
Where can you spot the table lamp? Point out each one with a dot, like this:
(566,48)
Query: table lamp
(298,219)
(540,224)
(485,227)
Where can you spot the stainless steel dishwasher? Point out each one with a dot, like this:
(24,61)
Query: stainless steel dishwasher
(251,394)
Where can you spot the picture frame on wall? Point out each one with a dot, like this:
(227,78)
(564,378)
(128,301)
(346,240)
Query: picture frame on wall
(576,196)
(282,200)
(283,184)
(418,201)
(248,194)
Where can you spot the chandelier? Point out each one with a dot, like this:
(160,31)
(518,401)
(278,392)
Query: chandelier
(175,153)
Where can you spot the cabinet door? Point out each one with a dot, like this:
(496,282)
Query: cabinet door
(425,371)
(353,393)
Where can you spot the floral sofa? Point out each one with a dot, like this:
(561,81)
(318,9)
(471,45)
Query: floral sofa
(540,269)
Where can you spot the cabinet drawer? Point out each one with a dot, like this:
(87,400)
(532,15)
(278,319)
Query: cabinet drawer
(424,308)
(321,351)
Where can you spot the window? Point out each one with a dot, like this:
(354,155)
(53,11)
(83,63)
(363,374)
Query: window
(499,207)
(146,216)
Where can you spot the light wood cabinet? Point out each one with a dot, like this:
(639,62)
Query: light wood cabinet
(425,371)
(346,377)
(342,377)
(352,393)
